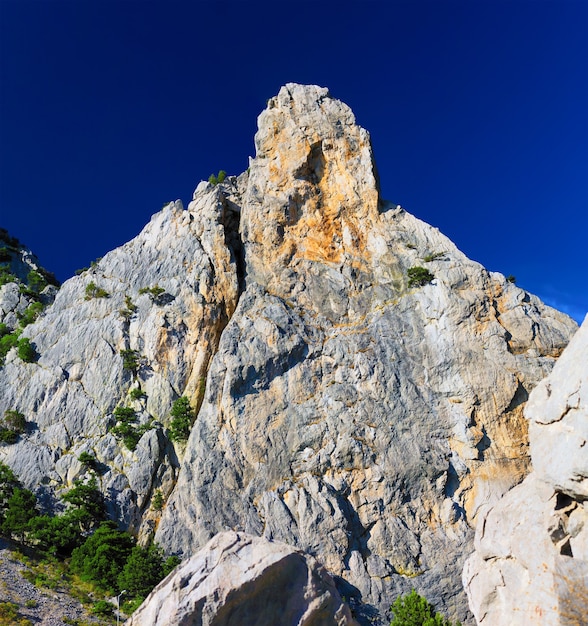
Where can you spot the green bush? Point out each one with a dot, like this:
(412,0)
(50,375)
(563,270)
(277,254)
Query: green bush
(419,276)
(155,293)
(87,502)
(219,178)
(20,510)
(136,393)
(142,570)
(7,342)
(130,360)
(12,425)
(102,556)
(183,418)
(31,313)
(414,610)
(26,352)
(511,279)
(129,310)
(157,501)
(6,277)
(56,536)
(36,281)
(93,291)
(102,608)
(88,460)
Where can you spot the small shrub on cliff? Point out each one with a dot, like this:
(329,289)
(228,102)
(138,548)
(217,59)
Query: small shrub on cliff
(414,610)
(93,291)
(13,425)
(183,418)
(130,360)
(419,276)
(31,314)
(26,352)
(219,178)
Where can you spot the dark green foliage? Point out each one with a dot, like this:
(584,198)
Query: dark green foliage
(87,502)
(136,393)
(5,256)
(170,564)
(19,512)
(183,418)
(12,242)
(102,608)
(157,501)
(87,459)
(11,426)
(129,310)
(142,570)
(56,536)
(15,420)
(125,428)
(7,341)
(36,281)
(93,291)
(26,352)
(130,360)
(419,276)
(414,610)
(6,277)
(81,270)
(31,313)
(101,558)
(511,279)
(219,178)
(155,293)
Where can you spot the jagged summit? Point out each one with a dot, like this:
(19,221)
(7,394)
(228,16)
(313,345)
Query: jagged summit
(358,382)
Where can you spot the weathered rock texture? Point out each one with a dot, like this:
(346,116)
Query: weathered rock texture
(530,565)
(345,412)
(69,395)
(240,579)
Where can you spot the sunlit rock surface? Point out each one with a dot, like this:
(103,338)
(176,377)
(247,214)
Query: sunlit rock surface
(240,579)
(530,565)
(341,410)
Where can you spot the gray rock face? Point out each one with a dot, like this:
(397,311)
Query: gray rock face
(69,395)
(530,565)
(342,409)
(241,579)
(347,413)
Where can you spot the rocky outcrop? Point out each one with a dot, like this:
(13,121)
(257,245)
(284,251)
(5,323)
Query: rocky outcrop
(137,330)
(344,409)
(348,413)
(240,579)
(530,565)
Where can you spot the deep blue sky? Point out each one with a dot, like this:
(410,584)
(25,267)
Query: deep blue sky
(478,113)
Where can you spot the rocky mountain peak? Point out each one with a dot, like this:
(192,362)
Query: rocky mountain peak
(313,193)
(357,382)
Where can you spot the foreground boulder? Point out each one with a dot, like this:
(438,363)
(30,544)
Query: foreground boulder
(530,565)
(245,580)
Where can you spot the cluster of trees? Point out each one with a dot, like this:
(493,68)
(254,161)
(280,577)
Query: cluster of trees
(93,546)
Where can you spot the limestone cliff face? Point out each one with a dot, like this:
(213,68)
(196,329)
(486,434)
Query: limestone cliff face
(70,393)
(341,410)
(346,413)
(530,565)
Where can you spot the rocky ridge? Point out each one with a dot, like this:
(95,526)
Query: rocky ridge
(530,564)
(341,410)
